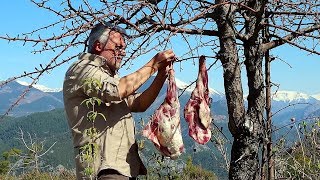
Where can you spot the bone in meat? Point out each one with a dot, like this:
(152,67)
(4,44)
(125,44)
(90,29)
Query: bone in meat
(164,127)
(197,110)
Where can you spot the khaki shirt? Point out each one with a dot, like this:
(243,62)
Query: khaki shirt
(117,147)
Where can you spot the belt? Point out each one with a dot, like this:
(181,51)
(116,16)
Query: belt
(112,171)
(108,171)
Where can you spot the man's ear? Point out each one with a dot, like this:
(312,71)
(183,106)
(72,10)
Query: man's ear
(98,47)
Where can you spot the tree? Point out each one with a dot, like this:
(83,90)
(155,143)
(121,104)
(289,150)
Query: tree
(36,150)
(238,33)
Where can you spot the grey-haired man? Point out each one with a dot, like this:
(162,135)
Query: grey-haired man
(117,157)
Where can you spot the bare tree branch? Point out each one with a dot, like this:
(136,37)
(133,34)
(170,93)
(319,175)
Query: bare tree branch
(291,36)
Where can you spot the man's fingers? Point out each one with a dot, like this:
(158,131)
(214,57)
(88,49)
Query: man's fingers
(168,54)
(171,56)
(164,58)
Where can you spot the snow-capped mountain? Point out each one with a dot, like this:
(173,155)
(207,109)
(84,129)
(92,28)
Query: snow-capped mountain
(316,96)
(34,101)
(183,85)
(292,96)
(291,104)
(40,87)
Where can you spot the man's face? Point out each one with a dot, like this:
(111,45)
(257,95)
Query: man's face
(114,50)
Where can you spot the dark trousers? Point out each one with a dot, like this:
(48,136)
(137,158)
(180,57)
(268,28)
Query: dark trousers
(111,174)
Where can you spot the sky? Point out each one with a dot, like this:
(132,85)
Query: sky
(19,16)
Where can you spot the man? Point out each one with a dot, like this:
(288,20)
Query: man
(117,156)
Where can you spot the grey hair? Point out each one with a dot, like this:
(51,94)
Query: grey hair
(98,33)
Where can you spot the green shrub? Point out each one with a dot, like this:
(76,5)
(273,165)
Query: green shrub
(301,160)
(65,175)
(192,171)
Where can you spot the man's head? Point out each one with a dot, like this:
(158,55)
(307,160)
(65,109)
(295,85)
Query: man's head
(108,41)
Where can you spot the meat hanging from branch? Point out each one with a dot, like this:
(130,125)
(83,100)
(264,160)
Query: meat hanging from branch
(197,109)
(164,127)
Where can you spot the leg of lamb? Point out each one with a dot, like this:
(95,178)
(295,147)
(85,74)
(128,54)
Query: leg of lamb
(197,109)
(164,127)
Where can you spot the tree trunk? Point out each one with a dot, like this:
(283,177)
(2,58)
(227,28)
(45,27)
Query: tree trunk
(245,126)
(247,137)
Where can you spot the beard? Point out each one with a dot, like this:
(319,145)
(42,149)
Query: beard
(117,60)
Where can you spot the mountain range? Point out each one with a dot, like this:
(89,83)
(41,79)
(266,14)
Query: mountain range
(285,104)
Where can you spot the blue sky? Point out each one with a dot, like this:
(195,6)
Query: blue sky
(22,16)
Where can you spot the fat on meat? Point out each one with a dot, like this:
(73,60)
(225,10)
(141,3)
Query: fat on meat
(197,110)
(164,129)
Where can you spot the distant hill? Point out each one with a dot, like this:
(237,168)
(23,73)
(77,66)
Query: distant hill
(49,126)
(52,127)
(34,101)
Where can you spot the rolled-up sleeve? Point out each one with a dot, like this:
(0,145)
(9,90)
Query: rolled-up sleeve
(110,90)
(130,99)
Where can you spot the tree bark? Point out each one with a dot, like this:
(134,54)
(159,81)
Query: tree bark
(228,55)
(245,126)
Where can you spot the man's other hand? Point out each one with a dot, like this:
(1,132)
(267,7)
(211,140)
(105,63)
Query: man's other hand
(163,59)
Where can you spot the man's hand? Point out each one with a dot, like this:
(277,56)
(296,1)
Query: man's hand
(163,59)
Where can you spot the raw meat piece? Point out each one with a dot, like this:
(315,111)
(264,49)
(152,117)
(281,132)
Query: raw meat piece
(164,127)
(197,110)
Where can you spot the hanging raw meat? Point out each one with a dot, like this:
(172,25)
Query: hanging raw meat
(197,110)
(164,127)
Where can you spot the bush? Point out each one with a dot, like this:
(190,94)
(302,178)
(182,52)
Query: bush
(302,159)
(192,171)
(65,175)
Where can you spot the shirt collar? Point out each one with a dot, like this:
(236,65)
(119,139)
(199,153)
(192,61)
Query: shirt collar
(97,61)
